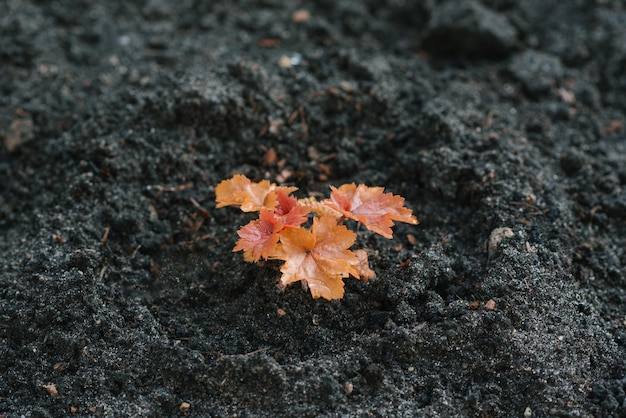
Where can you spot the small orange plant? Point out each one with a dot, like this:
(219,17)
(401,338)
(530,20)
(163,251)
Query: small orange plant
(318,256)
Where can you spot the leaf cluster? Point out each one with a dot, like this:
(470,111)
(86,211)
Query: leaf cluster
(319,255)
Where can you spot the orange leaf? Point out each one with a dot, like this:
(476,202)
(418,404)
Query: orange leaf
(250,196)
(370,206)
(319,208)
(258,239)
(319,257)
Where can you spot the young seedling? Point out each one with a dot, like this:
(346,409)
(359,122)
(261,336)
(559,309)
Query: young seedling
(318,256)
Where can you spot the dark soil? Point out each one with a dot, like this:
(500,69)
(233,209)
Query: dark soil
(501,122)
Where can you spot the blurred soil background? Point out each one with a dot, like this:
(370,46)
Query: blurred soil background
(501,122)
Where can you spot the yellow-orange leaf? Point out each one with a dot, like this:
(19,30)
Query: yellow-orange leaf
(319,208)
(319,257)
(250,196)
(370,206)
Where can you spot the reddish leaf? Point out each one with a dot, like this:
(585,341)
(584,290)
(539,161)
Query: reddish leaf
(370,206)
(292,213)
(258,239)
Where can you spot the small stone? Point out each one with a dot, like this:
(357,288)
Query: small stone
(537,71)
(52,390)
(20,132)
(285,62)
(184,407)
(468,28)
(497,235)
(301,16)
(348,387)
(373,375)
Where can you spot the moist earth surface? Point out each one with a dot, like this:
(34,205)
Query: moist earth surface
(501,123)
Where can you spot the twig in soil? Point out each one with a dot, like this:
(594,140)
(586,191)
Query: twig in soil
(260,350)
(232,266)
(592,214)
(105,235)
(488,120)
(102,271)
(305,127)
(135,251)
(201,211)
(571,233)
(532,209)
(292,118)
(204,237)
